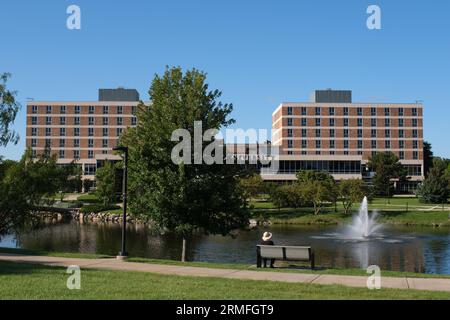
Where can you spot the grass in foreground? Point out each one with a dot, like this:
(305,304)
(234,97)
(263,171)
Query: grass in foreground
(237,266)
(26,281)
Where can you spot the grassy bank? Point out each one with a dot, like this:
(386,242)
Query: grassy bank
(237,266)
(26,281)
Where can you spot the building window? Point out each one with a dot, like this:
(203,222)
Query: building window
(345,122)
(401,144)
(48,120)
(290,144)
(76,154)
(34,121)
(289,111)
(119,109)
(332,152)
(387,133)
(414,122)
(400,122)
(401,112)
(360,144)
(373,133)
(386,112)
(373,122)
(119,121)
(318,153)
(345,111)
(91,121)
(374,144)
(414,112)
(345,144)
(289,133)
(105,109)
(77,109)
(401,155)
(62,143)
(303,109)
(133,121)
(76,143)
(34,132)
(303,132)
(289,122)
(387,144)
(415,133)
(76,132)
(360,122)
(373,112)
(133,110)
(62,132)
(318,111)
(33,109)
(90,143)
(62,120)
(332,133)
(318,144)
(332,122)
(415,144)
(91,109)
(360,133)
(401,133)
(62,109)
(48,132)
(62,154)
(332,144)
(48,143)
(359,111)
(317,122)
(303,122)
(90,154)
(387,122)
(76,121)
(105,121)
(33,142)
(104,143)
(48,109)
(90,132)
(304,143)
(415,155)
(105,132)
(318,133)
(345,133)
(331,111)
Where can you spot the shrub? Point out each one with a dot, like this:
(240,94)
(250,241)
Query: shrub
(95,208)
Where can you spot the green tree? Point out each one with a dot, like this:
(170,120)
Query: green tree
(351,191)
(387,167)
(8,111)
(435,188)
(427,157)
(182,197)
(252,186)
(316,187)
(105,178)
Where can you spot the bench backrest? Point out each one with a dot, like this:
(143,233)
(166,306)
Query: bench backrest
(285,252)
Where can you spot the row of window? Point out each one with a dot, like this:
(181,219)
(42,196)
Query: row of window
(76,143)
(373,133)
(76,132)
(62,154)
(77,121)
(77,109)
(359,111)
(345,122)
(373,144)
(401,154)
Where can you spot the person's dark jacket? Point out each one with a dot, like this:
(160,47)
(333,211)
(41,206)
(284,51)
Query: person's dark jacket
(266,243)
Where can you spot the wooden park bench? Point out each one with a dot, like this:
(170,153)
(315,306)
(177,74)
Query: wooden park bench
(284,253)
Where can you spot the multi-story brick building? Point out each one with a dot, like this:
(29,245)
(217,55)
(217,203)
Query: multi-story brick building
(84,132)
(336,135)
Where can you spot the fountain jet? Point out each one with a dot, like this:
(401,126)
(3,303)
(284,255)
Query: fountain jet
(363,225)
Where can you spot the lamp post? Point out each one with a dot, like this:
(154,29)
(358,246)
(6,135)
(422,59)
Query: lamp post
(123,253)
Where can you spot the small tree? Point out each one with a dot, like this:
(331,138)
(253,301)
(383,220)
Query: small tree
(105,178)
(350,191)
(316,187)
(252,186)
(435,188)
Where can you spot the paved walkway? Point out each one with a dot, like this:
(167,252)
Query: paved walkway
(433,284)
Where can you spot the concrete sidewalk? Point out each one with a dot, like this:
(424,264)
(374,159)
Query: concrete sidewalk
(430,284)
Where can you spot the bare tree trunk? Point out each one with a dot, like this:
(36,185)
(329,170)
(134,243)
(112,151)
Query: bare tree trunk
(183,252)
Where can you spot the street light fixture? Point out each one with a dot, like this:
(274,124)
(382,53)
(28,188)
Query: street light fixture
(123,253)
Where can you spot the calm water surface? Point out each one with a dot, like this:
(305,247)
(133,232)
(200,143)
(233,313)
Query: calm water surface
(425,250)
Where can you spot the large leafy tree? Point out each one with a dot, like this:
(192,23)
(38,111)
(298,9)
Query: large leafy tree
(387,168)
(316,187)
(8,111)
(351,191)
(427,157)
(106,183)
(182,197)
(435,188)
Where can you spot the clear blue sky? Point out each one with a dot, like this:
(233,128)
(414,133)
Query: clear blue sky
(259,53)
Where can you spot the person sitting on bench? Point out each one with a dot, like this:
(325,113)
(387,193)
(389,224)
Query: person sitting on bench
(267,241)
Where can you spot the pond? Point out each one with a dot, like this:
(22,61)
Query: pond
(424,250)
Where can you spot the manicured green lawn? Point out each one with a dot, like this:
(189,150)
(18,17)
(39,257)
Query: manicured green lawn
(26,281)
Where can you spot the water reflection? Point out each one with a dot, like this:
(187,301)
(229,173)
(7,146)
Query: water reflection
(401,249)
